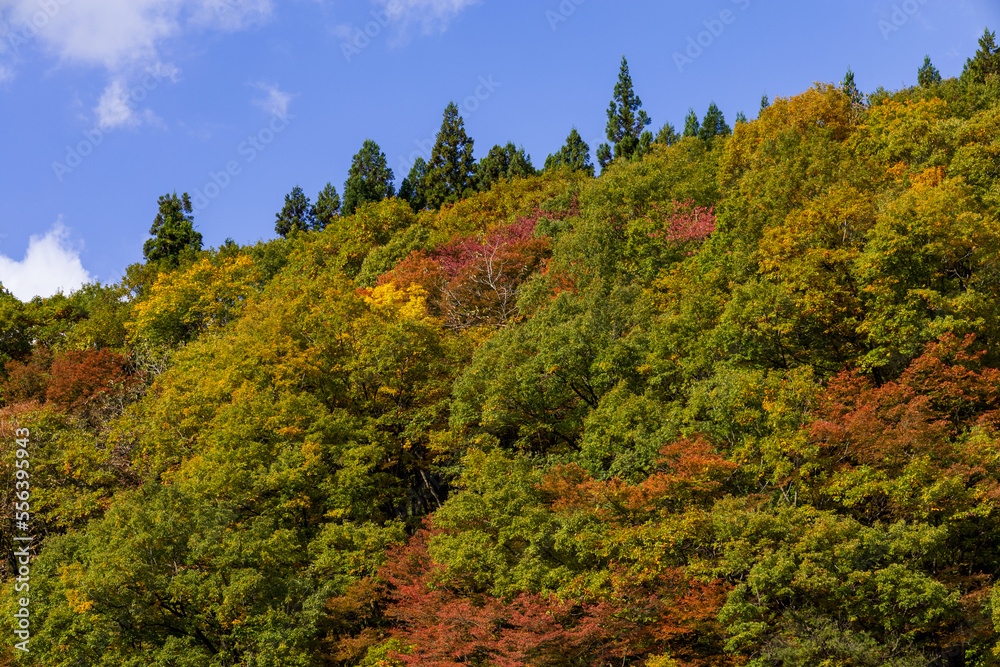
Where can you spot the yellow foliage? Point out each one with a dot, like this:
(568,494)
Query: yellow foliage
(208,294)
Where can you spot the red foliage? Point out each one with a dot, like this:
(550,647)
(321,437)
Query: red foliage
(79,376)
(474,281)
(28,380)
(683,224)
(689,472)
(941,392)
(73,380)
(924,415)
(445,628)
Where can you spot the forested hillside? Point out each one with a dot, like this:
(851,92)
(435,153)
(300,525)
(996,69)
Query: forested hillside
(734,401)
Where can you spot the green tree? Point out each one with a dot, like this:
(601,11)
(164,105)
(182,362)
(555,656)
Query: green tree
(986,61)
(503,162)
(714,125)
(369,180)
(667,135)
(626,123)
(15,339)
(297,215)
(765,102)
(452,170)
(850,89)
(575,154)
(740,118)
(172,231)
(691,124)
(928,75)
(412,188)
(327,207)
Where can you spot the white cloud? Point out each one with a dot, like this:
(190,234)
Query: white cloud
(113,109)
(276,102)
(125,37)
(431,14)
(50,264)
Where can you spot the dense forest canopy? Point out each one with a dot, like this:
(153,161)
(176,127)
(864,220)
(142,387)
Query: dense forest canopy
(734,401)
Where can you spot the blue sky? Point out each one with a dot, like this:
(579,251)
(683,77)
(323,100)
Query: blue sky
(108,104)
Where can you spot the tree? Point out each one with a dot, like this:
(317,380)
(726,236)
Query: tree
(851,89)
(626,121)
(691,124)
(667,135)
(369,180)
(452,170)
(327,207)
(986,61)
(765,102)
(412,188)
(297,215)
(575,154)
(928,75)
(714,125)
(15,324)
(740,118)
(503,162)
(172,231)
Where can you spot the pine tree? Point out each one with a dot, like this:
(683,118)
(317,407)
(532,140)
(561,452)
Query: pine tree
(172,231)
(327,207)
(297,215)
(626,123)
(714,125)
(928,75)
(691,124)
(575,154)
(412,187)
(452,169)
(369,180)
(765,102)
(740,118)
(851,89)
(667,135)
(986,61)
(503,162)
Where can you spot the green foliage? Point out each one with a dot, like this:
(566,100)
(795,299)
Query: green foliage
(297,215)
(412,188)
(713,125)
(667,136)
(575,154)
(691,124)
(172,231)
(369,180)
(503,162)
(850,89)
(327,207)
(813,583)
(15,340)
(626,123)
(452,170)
(928,75)
(985,63)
